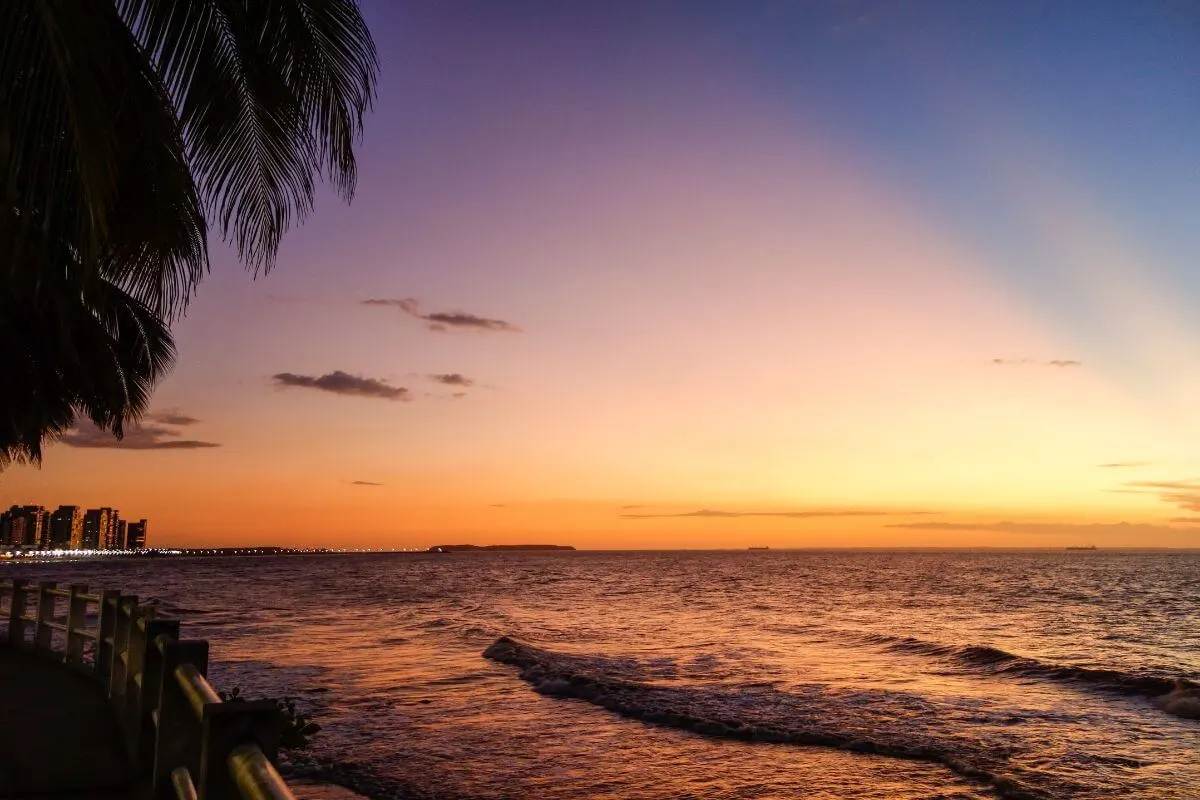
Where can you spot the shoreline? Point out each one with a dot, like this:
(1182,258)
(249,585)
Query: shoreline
(64,557)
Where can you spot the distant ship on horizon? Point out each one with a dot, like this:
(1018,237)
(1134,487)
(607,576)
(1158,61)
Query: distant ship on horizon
(1082,547)
(759,548)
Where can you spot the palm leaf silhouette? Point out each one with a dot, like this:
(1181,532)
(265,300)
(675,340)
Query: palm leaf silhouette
(127,128)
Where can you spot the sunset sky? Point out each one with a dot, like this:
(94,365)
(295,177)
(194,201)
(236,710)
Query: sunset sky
(689,274)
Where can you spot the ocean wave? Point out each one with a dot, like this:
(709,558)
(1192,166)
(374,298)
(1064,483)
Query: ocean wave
(1175,695)
(887,723)
(1182,701)
(168,609)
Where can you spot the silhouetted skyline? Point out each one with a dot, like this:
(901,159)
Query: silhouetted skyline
(69,527)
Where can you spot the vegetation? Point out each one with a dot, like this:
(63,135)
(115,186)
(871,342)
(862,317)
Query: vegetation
(296,728)
(130,130)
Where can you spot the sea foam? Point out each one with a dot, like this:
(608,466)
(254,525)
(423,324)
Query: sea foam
(894,724)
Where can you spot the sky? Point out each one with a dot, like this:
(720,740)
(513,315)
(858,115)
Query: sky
(710,274)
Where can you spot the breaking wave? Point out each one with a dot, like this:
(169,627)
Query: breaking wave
(1178,696)
(895,724)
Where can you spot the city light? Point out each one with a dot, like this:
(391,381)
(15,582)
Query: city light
(70,528)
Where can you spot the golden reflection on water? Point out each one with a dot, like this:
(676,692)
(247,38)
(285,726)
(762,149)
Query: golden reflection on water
(387,652)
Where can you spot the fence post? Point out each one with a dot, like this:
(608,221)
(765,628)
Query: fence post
(152,680)
(182,786)
(226,726)
(109,610)
(135,659)
(76,624)
(177,734)
(126,608)
(43,634)
(16,612)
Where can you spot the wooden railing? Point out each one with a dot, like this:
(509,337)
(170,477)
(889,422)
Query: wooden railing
(184,742)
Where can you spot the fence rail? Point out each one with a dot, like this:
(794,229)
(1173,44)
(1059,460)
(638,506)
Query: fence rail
(184,742)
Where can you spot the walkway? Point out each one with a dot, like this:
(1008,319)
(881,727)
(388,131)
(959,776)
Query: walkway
(58,736)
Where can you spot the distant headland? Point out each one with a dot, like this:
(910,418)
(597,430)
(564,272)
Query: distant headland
(470,548)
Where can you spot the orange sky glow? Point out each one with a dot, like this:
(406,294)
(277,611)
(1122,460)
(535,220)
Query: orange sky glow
(725,330)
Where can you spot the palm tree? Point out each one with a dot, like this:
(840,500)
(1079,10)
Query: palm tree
(127,129)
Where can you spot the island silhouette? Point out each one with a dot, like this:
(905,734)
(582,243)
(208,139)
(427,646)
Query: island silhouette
(468,548)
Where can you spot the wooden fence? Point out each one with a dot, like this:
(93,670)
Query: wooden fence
(184,742)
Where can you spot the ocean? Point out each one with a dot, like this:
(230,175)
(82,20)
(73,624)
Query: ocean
(909,675)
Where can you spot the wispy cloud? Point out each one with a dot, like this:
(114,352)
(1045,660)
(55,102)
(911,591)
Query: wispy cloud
(713,513)
(1056,362)
(1124,529)
(452,379)
(157,431)
(407,304)
(1187,520)
(444,320)
(171,416)
(338,382)
(457,319)
(1184,494)
(1125,464)
(364,483)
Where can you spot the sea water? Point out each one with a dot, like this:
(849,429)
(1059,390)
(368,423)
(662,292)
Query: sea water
(777,674)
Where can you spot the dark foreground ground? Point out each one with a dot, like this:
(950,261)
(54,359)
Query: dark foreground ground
(58,736)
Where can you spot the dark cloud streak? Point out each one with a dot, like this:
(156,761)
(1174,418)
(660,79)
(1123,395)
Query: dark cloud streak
(157,432)
(452,379)
(1057,362)
(712,513)
(171,416)
(442,321)
(338,382)
(1046,528)
(1184,494)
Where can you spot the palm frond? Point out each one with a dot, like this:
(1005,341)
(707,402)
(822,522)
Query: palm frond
(157,246)
(92,157)
(271,96)
(93,350)
(59,64)
(123,125)
(135,347)
(331,68)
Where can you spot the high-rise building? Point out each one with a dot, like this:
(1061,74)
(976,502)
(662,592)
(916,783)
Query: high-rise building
(25,526)
(8,521)
(109,535)
(96,524)
(70,527)
(113,536)
(135,536)
(42,527)
(20,528)
(66,528)
(6,527)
